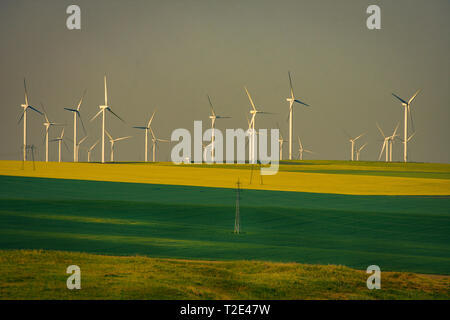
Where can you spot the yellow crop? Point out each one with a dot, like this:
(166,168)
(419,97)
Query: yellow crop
(226,177)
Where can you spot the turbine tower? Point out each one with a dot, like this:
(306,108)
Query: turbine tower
(47,125)
(25,107)
(213,118)
(291,101)
(146,134)
(352,141)
(407,106)
(76,113)
(103,108)
(90,150)
(112,141)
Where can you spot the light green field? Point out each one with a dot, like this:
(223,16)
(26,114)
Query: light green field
(41,275)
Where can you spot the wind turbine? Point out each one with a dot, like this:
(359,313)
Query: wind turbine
(352,141)
(47,125)
(112,141)
(60,139)
(385,147)
(25,107)
(213,118)
(146,134)
(291,101)
(253,112)
(155,141)
(78,146)
(301,149)
(391,142)
(90,150)
(76,112)
(103,108)
(359,151)
(407,106)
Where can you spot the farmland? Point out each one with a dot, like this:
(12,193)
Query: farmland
(398,219)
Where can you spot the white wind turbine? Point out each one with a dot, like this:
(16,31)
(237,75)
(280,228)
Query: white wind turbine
(103,108)
(76,113)
(60,140)
(90,150)
(291,101)
(112,141)
(253,112)
(359,151)
(25,107)
(78,147)
(385,147)
(391,141)
(213,118)
(407,106)
(155,141)
(352,141)
(148,127)
(47,125)
(301,149)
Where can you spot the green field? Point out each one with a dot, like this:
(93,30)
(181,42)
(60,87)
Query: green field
(27,274)
(398,233)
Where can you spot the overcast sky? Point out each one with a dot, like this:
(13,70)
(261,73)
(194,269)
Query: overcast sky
(169,54)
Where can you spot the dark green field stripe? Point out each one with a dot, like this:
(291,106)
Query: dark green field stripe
(64,189)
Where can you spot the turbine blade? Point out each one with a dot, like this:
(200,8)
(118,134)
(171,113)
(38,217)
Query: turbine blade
(382,150)
(143,128)
(82,140)
(32,108)
(211,105)
(98,113)
(45,113)
(26,92)
(381,131)
(109,109)
(305,104)
(151,119)
(109,136)
(290,83)
(21,116)
(106,92)
(122,138)
(81,100)
(413,97)
(411,118)
(359,136)
(250,98)
(82,123)
(403,101)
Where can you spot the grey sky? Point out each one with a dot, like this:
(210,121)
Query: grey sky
(169,54)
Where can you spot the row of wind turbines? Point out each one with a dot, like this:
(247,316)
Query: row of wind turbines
(387,146)
(388,141)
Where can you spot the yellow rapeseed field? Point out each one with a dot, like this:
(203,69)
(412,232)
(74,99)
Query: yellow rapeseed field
(222,177)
